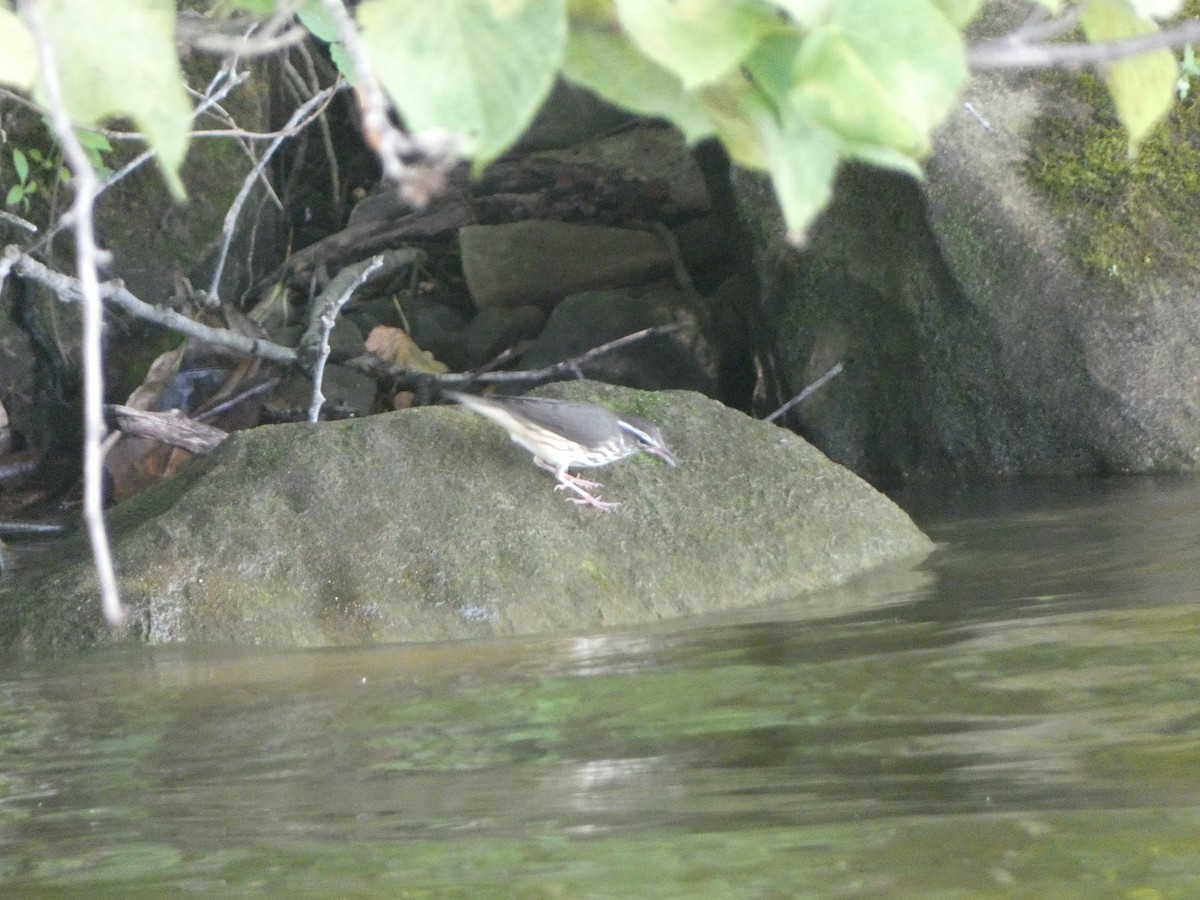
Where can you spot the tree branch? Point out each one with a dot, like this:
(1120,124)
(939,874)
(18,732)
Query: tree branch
(439,151)
(171,428)
(294,123)
(87,260)
(69,290)
(323,314)
(1012,52)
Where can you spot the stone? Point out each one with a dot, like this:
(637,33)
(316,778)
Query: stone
(430,524)
(681,360)
(539,262)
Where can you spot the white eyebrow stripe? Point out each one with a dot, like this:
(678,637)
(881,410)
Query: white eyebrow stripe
(633,429)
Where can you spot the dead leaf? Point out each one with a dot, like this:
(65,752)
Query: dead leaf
(395,346)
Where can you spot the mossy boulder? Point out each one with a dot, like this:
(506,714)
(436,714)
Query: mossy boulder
(430,524)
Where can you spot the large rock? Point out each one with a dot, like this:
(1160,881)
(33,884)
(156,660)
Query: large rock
(538,262)
(429,524)
(1022,312)
(683,359)
(1091,324)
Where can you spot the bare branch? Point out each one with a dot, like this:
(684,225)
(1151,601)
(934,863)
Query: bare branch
(87,257)
(370,364)
(1013,52)
(239,37)
(807,392)
(440,151)
(222,83)
(348,280)
(269,385)
(70,290)
(168,427)
(12,219)
(324,313)
(298,120)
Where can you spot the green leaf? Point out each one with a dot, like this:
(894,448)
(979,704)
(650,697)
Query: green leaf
(799,154)
(18,58)
(15,195)
(734,108)
(699,40)
(881,72)
(93,140)
(256,7)
(1156,9)
(884,157)
(118,59)
(960,12)
(314,17)
(803,159)
(1142,87)
(341,59)
(21,164)
(603,60)
(772,66)
(480,69)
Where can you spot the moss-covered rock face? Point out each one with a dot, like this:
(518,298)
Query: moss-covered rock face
(430,524)
(1029,309)
(1128,217)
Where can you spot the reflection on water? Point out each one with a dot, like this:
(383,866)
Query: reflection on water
(1019,717)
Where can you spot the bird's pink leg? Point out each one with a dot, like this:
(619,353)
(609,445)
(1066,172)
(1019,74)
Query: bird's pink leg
(566,477)
(569,482)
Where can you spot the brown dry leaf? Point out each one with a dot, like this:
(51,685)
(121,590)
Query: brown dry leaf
(395,346)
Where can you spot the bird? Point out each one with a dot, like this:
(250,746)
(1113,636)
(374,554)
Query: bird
(563,434)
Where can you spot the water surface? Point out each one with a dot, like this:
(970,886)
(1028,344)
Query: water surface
(1018,718)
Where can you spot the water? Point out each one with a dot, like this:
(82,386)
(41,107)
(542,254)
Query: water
(1018,719)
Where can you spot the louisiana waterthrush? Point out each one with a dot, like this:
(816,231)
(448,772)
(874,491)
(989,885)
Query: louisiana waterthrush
(563,435)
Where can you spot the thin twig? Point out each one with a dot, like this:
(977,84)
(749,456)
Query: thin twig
(683,278)
(806,393)
(300,115)
(1039,26)
(87,257)
(439,151)
(323,126)
(222,83)
(268,385)
(370,364)
(21,529)
(278,33)
(18,221)
(381,265)
(574,364)
(326,315)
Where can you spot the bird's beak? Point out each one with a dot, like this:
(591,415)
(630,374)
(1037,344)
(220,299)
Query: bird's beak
(662,453)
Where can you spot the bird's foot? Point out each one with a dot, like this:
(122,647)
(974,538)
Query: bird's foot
(570,482)
(594,501)
(580,487)
(565,478)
